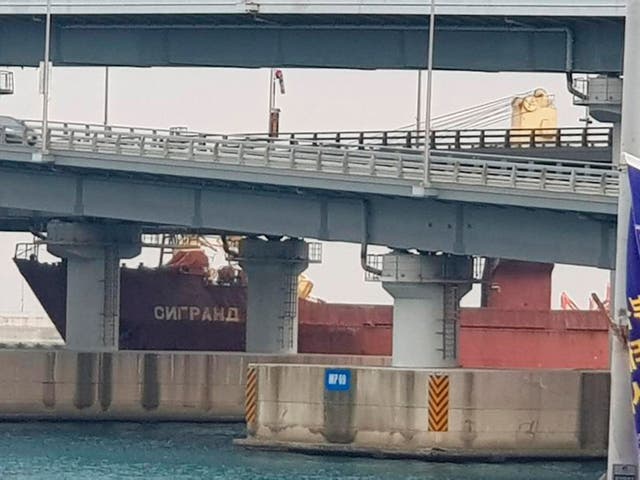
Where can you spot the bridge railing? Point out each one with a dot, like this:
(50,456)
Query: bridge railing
(376,260)
(469,139)
(571,137)
(91,128)
(450,167)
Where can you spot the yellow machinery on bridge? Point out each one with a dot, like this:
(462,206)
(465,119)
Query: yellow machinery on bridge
(533,118)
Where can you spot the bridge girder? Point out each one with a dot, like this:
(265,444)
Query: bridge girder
(459,227)
(474,43)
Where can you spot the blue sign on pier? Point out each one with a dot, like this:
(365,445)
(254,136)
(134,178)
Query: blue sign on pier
(337,379)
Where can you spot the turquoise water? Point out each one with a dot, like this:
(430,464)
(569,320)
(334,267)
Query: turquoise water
(180,451)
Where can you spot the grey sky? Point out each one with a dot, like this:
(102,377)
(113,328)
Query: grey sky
(235,100)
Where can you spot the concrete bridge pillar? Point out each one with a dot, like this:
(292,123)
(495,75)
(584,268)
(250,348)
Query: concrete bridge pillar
(426,292)
(92,253)
(272,269)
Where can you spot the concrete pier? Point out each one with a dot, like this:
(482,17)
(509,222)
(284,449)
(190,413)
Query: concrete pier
(431,414)
(93,253)
(272,269)
(372,409)
(136,386)
(426,291)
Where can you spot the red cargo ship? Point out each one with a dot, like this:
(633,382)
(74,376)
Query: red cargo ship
(179,307)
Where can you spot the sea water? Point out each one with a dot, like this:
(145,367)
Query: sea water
(181,451)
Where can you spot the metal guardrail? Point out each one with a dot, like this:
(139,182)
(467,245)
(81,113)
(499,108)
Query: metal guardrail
(376,261)
(573,137)
(508,8)
(460,168)
(315,252)
(27,251)
(122,129)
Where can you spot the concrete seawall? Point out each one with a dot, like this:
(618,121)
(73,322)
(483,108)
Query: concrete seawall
(486,413)
(140,386)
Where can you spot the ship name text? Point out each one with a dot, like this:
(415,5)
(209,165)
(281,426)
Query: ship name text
(195,313)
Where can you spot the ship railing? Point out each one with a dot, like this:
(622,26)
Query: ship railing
(479,264)
(27,251)
(449,139)
(374,261)
(155,240)
(446,167)
(158,240)
(315,252)
(151,239)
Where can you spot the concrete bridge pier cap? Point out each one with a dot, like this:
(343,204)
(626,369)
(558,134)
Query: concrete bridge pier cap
(272,268)
(426,291)
(92,253)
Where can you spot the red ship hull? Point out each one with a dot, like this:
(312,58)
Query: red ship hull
(164,309)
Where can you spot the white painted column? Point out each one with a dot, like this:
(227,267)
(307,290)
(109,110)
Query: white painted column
(426,291)
(272,269)
(622,448)
(92,254)
(622,439)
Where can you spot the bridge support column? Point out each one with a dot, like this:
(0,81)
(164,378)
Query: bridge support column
(272,269)
(92,254)
(426,292)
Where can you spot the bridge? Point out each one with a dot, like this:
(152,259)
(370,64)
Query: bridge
(501,35)
(590,144)
(481,204)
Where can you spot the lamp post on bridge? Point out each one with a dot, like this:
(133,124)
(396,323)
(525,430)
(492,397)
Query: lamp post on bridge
(419,107)
(274,112)
(106,96)
(45,81)
(427,120)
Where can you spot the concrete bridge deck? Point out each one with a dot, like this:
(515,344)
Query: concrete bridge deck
(474,204)
(504,179)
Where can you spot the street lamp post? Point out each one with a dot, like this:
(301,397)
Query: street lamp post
(272,99)
(274,112)
(106,96)
(427,119)
(45,81)
(419,108)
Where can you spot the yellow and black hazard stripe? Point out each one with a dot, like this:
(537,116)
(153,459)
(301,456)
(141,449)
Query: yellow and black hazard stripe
(438,403)
(251,396)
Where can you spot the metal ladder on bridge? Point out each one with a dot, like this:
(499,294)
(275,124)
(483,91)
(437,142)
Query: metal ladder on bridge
(450,319)
(289,309)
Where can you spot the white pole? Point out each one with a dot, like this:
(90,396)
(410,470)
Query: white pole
(45,99)
(419,107)
(427,119)
(106,96)
(622,439)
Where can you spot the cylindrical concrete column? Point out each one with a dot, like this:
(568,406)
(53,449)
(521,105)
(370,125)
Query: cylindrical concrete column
(272,269)
(92,254)
(426,291)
